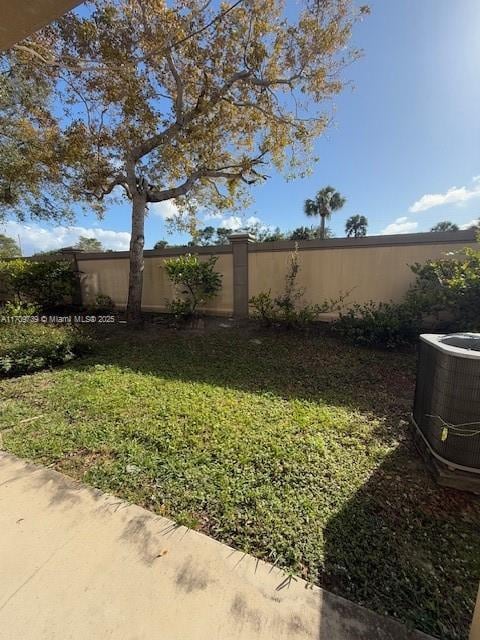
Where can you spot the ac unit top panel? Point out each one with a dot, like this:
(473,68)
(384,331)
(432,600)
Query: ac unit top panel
(462,345)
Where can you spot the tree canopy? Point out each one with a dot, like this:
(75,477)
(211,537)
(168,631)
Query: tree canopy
(356,226)
(446,225)
(151,101)
(89,244)
(262,233)
(326,202)
(303,233)
(8,247)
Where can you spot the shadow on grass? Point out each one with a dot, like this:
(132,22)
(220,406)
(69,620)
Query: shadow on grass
(400,546)
(406,548)
(315,368)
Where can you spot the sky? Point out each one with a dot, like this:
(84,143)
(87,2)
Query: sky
(404,147)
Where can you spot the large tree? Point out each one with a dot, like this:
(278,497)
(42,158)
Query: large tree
(185,100)
(326,202)
(28,169)
(356,226)
(8,247)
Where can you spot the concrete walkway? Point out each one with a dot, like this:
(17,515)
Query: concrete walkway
(79,564)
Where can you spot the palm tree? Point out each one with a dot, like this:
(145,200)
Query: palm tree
(356,226)
(445,226)
(325,203)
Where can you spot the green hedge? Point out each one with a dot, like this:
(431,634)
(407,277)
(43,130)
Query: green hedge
(384,324)
(49,284)
(445,297)
(29,347)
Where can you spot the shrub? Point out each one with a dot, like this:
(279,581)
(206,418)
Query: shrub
(196,281)
(287,309)
(103,303)
(450,286)
(445,295)
(19,309)
(283,312)
(29,347)
(383,324)
(47,283)
(264,307)
(180,309)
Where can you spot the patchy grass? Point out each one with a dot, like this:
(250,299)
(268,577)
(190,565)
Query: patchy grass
(293,448)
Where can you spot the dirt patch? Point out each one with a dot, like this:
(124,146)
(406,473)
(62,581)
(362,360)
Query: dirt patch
(77,463)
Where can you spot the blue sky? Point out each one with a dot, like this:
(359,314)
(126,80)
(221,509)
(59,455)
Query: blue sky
(404,148)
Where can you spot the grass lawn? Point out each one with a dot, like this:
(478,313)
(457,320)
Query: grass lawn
(293,448)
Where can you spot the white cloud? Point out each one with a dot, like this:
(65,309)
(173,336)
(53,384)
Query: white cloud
(166,209)
(236,222)
(212,216)
(232,222)
(401,225)
(469,225)
(34,238)
(454,195)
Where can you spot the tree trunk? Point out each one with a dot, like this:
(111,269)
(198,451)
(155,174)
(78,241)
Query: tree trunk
(322,227)
(135,279)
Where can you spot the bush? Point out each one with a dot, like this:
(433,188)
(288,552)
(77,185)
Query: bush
(19,309)
(103,303)
(449,287)
(385,324)
(29,347)
(49,284)
(264,308)
(180,309)
(287,309)
(445,296)
(196,281)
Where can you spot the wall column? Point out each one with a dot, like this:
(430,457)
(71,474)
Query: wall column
(240,242)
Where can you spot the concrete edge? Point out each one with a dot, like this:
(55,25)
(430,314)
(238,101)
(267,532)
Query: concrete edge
(351,616)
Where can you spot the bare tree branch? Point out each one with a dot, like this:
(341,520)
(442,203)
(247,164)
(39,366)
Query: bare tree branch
(200,108)
(117,181)
(228,172)
(217,18)
(179,85)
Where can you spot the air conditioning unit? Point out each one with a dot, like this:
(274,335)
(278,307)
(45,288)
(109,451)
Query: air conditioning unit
(446,411)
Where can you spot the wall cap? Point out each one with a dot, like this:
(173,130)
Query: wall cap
(241,237)
(167,252)
(400,239)
(467,236)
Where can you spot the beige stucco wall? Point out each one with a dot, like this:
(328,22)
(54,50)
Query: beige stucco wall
(372,273)
(110,277)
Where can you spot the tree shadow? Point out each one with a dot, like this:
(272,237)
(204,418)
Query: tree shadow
(315,367)
(402,546)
